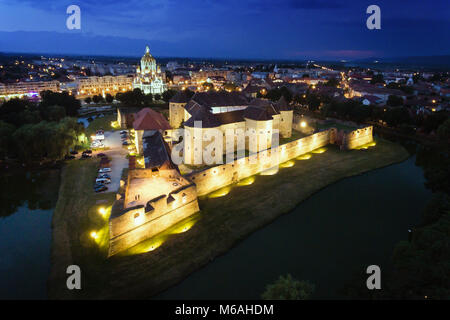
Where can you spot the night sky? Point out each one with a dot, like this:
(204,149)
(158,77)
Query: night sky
(281,29)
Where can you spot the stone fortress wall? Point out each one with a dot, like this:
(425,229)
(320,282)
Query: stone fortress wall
(357,138)
(221,176)
(138,223)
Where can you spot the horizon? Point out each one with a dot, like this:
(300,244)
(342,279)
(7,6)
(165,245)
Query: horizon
(276,60)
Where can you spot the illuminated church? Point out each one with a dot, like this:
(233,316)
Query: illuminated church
(148,75)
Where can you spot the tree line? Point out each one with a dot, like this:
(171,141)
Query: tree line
(133,98)
(36,132)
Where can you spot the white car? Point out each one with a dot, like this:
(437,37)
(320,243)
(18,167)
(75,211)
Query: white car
(103,180)
(104,170)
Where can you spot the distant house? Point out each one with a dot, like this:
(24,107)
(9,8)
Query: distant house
(371,100)
(361,90)
(445,92)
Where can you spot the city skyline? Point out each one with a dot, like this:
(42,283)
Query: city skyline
(290,30)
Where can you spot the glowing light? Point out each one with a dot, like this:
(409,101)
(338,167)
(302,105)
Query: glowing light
(287,164)
(185,227)
(220,193)
(154,246)
(303,124)
(319,150)
(269,172)
(102,211)
(94,235)
(138,219)
(246,182)
(304,157)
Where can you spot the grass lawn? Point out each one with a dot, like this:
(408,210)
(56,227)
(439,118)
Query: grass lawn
(76,216)
(224,220)
(295,136)
(336,125)
(101,122)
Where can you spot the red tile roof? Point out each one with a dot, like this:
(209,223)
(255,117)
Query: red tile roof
(148,119)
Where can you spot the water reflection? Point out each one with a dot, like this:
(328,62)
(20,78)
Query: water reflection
(28,200)
(35,190)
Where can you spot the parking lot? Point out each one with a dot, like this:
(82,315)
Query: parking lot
(117,154)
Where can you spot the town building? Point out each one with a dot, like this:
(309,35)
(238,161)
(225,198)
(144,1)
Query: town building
(27,89)
(89,86)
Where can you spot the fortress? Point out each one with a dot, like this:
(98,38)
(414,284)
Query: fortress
(156,197)
(222,111)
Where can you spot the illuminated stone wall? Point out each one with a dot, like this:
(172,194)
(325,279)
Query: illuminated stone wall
(176,114)
(286,123)
(161,222)
(220,176)
(138,223)
(357,138)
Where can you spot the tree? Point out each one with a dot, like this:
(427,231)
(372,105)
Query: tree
(168,94)
(46,141)
(52,113)
(333,82)
(394,101)
(109,98)
(377,78)
(63,99)
(157,97)
(6,132)
(397,116)
(443,130)
(147,99)
(288,288)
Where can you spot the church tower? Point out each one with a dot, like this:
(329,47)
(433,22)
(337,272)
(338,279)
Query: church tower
(148,75)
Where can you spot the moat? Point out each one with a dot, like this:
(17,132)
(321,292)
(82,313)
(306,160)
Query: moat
(327,239)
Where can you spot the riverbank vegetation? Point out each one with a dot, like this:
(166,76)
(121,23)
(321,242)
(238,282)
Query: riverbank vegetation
(166,259)
(40,133)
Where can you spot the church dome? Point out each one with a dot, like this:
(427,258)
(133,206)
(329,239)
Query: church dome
(147,57)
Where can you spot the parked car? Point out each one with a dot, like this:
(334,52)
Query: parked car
(104,170)
(69,157)
(87,151)
(103,180)
(100,188)
(101,155)
(123,131)
(85,156)
(125,143)
(104,175)
(73,152)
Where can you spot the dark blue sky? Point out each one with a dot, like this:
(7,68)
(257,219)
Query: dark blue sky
(283,29)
